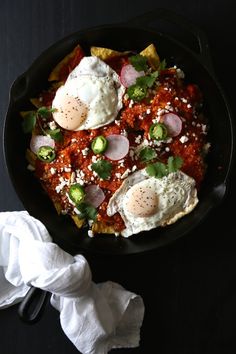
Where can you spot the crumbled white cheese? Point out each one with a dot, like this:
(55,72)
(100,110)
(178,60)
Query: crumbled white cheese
(126,173)
(117,122)
(180,73)
(124,132)
(52,125)
(148,111)
(72,177)
(118,175)
(90,233)
(184,100)
(183,139)
(138,139)
(53,171)
(131,103)
(94,158)
(61,185)
(85,151)
(30,167)
(67,169)
(204,127)
(189,105)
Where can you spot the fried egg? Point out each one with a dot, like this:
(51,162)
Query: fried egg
(90,98)
(146,202)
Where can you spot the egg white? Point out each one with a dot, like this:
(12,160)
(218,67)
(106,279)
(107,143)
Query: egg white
(171,198)
(90,98)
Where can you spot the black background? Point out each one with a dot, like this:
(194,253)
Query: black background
(189,286)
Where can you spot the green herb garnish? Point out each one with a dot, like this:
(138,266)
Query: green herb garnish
(162,65)
(174,163)
(147,80)
(159,169)
(33,117)
(138,91)
(45,112)
(55,134)
(87,211)
(29,122)
(147,154)
(102,168)
(139,62)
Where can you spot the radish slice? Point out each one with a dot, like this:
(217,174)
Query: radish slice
(128,75)
(118,147)
(41,140)
(94,195)
(173,123)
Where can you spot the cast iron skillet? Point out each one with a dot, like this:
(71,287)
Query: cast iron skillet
(134,35)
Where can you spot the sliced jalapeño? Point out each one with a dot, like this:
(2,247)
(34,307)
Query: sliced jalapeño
(46,153)
(76,193)
(158,131)
(99,144)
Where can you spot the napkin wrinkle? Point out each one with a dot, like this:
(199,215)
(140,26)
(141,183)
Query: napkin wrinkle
(95,317)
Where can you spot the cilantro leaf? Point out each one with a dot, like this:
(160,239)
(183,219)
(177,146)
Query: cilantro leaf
(147,154)
(162,65)
(87,211)
(174,163)
(45,112)
(148,80)
(159,169)
(29,122)
(55,134)
(102,168)
(138,91)
(139,62)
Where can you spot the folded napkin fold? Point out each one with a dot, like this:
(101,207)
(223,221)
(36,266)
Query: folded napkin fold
(95,317)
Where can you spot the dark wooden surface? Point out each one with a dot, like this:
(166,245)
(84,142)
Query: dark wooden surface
(188,287)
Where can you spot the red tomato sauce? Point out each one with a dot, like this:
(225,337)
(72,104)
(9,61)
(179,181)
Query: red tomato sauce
(74,153)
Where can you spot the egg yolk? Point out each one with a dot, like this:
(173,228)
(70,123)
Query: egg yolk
(71,113)
(142,201)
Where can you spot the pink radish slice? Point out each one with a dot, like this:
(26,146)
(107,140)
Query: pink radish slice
(173,124)
(94,195)
(128,75)
(118,147)
(41,140)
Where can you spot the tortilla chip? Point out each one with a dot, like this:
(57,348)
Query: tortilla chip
(151,54)
(55,74)
(25,113)
(106,53)
(78,221)
(30,157)
(36,102)
(100,227)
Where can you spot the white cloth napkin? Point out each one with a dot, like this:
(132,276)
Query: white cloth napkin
(95,317)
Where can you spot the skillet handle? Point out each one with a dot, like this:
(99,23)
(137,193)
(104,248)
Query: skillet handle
(171,17)
(32,306)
